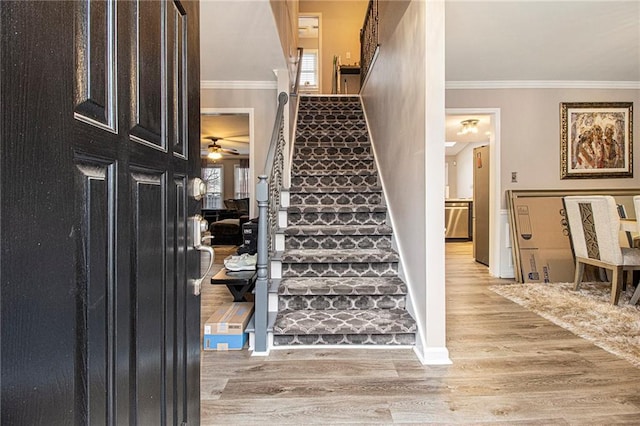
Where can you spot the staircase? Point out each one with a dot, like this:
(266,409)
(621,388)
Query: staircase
(339,281)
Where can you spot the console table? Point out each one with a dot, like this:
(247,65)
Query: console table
(239,283)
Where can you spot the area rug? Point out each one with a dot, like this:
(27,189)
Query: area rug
(586,313)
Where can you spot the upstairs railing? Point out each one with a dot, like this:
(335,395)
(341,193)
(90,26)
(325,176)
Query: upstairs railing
(296,83)
(268,191)
(368,39)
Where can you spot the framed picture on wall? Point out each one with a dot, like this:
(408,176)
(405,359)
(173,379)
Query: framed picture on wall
(596,140)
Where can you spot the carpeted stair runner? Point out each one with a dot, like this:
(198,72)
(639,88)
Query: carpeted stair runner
(339,272)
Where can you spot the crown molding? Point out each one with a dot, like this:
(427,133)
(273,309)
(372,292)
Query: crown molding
(238,85)
(542,84)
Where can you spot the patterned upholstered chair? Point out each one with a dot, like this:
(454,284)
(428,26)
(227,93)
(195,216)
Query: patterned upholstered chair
(636,205)
(595,226)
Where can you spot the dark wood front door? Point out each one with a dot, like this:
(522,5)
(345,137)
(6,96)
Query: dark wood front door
(99,140)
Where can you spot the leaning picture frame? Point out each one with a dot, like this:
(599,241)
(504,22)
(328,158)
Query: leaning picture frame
(596,140)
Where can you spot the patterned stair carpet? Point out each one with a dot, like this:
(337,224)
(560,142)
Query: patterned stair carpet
(340,283)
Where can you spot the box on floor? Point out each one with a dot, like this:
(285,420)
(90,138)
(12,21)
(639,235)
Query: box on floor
(224,330)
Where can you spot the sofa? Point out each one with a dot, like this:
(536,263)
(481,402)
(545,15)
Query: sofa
(227,229)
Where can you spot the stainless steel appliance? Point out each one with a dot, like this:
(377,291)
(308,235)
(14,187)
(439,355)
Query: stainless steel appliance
(481,204)
(457,218)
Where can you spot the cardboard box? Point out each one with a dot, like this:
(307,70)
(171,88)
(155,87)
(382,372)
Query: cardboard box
(545,266)
(544,246)
(224,330)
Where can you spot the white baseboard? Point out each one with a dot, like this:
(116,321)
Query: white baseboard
(433,356)
(252,345)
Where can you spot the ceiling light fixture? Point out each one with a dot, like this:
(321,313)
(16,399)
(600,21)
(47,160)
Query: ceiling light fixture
(469,126)
(214,154)
(448,144)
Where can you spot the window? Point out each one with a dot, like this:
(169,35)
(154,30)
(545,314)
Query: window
(309,70)
(240,181)
(212,175)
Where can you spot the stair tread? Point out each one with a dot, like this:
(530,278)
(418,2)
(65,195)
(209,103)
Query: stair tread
(341,286)
(337,208)
(361,321)
(332,132)
(335,118)
(343,107)
(370,170)
(299,158)
(339,256)
(332,144)
(338,230)
(333,189)
(343,170)
(314,160)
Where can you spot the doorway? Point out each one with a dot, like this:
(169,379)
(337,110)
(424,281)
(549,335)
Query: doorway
(488,128)
(310,39)
(226,145)
(228,167)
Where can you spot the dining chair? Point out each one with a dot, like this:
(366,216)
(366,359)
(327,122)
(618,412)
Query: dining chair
(594,226)
(636,205)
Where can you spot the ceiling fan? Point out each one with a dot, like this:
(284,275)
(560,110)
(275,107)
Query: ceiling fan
(215,151)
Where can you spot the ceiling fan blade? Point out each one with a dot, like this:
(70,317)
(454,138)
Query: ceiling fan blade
(234,138)
(244,138)
(229,151)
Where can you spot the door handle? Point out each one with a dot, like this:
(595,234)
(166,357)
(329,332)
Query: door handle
(197,188)
(198,226)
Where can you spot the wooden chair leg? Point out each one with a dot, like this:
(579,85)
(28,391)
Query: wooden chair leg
(616,284)
(578,277)
(636,295)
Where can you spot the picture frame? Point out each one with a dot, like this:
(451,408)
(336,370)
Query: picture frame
(596,140)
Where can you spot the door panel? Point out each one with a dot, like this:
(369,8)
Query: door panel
(96,65)
(179,337)
(96,291)
(148,316)
(149,69)
(99,138)
(177,59)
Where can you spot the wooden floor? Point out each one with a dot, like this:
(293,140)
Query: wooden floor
(509,366)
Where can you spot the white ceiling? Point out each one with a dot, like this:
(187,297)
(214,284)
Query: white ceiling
(542,40)
(485,40)
(497,40)
(239,41)
(308,27)
(232,130)
(453,126)
(575,41)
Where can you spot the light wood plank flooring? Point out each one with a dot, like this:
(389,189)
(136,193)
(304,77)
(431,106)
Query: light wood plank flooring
(509,366)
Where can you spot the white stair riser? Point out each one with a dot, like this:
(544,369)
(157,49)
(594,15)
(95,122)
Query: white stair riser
(276,269)
(282,219)
(284,199)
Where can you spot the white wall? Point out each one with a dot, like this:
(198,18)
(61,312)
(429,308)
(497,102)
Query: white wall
(239,41)
(452,179)
(407,149)
(530,133)
(340,32)
(285,13)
